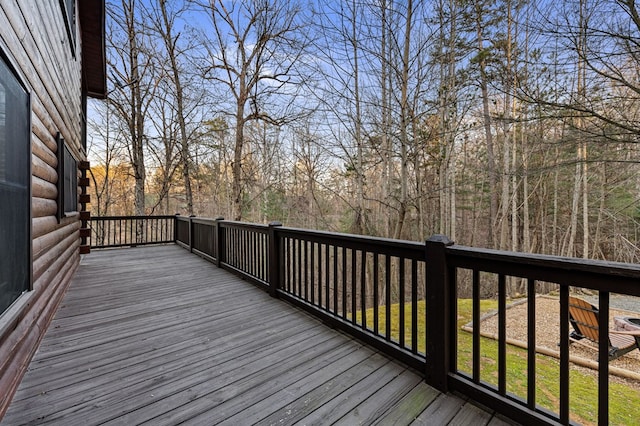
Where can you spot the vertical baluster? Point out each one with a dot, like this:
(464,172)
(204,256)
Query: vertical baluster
(256,258)
(531,344)
(363,291)
(265,249)
(363,288)
(320,282)
(305,269)
(291,256)
(241,250)
(376,296)
(387,296)
(231,246)
(234,246)
(246,259)
(244,255)
(249,259)
(327,293)
(290,266)
(284,259)
(603,359)
(238,245)
(299,280)
(312,266)
(354,270)
(401,302)
(414,306)
(335,279)
(564,354)
(344,282)
(476,325)
(502,334)
(285,262)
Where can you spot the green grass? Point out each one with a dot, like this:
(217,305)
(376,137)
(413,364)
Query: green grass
(624,401)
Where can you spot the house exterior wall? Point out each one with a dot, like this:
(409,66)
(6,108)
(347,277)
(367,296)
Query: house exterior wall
(45,51)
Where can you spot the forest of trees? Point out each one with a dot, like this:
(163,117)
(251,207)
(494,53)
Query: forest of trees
(507,124)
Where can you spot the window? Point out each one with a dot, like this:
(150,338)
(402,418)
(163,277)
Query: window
(70,182)
(15,188)
(69,13)
(67,179)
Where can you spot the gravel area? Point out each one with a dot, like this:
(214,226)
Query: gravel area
(548,335)
(618,301)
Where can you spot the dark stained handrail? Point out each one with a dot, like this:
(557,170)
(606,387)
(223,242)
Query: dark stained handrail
(337,277)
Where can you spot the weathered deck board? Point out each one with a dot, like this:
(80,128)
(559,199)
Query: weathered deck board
(157,335)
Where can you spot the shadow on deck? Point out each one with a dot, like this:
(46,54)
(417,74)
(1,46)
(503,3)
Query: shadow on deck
(158,335)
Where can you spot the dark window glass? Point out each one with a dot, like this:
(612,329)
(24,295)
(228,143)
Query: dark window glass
(15,181)
(67,179)
(70,182)
(69,12)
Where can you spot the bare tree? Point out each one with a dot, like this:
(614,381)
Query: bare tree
(133,81)
(253,52)
(186,100)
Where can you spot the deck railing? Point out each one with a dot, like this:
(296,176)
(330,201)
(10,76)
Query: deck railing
(121,231)
(365,285)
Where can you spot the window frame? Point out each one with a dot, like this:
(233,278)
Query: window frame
(70,22)
(64,169)
(21,81)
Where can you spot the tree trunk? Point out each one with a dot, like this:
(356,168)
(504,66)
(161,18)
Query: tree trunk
(359,222)
(236,167)
(170,41)
(404,124)
(486,118)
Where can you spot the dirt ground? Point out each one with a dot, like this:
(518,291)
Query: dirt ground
(548,336)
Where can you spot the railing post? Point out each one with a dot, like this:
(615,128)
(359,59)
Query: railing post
(219,241)
(274,259)
(439,327)
(191,232)
(175,227)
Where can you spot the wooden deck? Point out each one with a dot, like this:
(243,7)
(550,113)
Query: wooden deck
(157,335)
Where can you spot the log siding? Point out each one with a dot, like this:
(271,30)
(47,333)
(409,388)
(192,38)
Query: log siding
(34,39)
